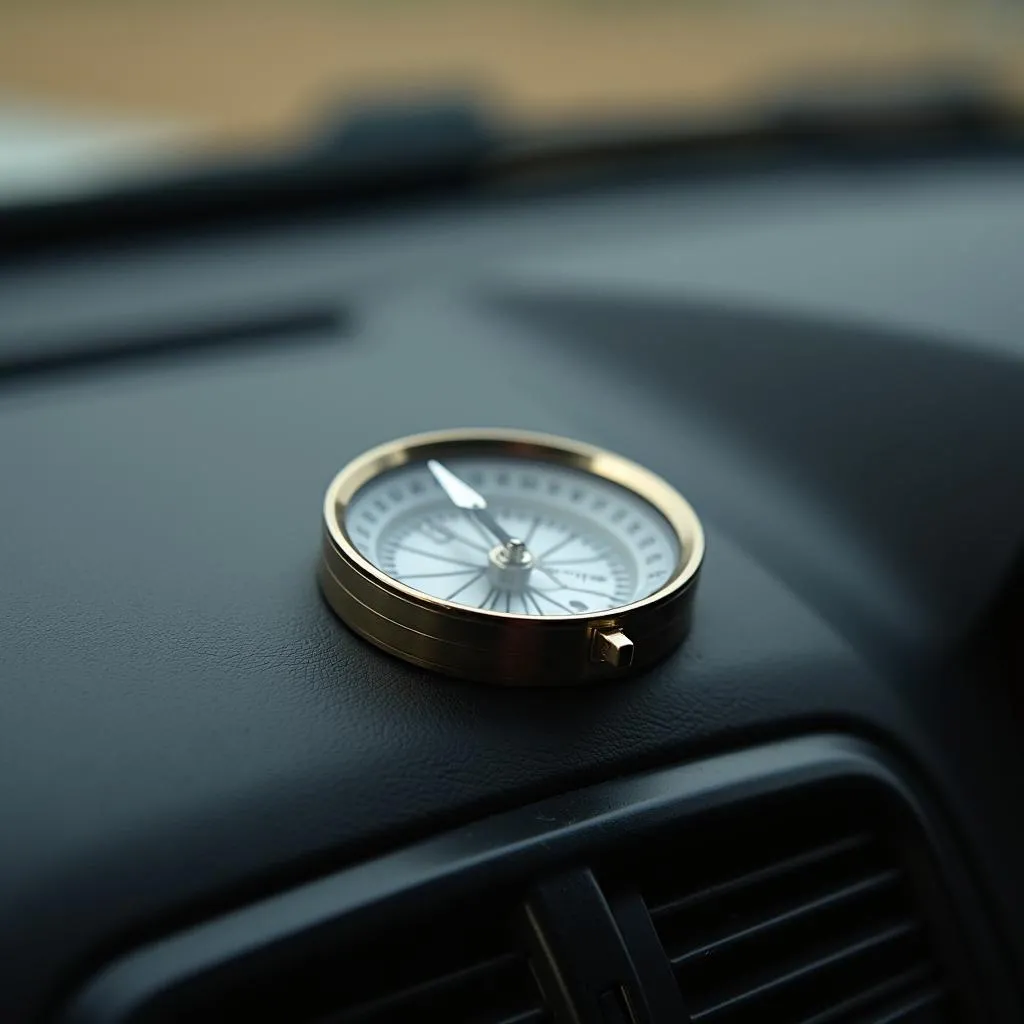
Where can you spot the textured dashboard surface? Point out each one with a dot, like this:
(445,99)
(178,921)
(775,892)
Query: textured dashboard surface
(829,365)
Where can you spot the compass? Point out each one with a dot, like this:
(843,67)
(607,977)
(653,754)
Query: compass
(510,557)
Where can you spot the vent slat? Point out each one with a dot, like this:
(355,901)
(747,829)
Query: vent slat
(398,1012)
(536,1016)
(917,1008)
(482,990)
(793,976)
(777,869)
(796,911)
(432,987)
(830,901)
(878,994)
(468,965)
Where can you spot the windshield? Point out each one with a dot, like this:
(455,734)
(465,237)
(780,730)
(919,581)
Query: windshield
(90,88)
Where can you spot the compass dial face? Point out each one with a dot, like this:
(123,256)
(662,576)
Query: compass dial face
(543,539)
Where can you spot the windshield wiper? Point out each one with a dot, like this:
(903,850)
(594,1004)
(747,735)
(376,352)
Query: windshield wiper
(882,114)
(385,150)
(398,151)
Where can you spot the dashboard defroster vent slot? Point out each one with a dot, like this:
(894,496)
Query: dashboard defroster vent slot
(796,916)
(203,331)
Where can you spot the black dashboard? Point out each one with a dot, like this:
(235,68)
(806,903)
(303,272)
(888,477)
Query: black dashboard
(201,770)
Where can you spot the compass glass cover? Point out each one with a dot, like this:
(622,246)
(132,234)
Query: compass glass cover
(587,545)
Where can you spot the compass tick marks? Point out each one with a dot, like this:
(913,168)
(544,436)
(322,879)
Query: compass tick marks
(433,575)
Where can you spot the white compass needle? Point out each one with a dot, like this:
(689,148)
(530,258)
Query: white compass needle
(463,496)
(459,492)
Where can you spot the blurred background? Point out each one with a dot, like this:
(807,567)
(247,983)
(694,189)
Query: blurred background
(92,87)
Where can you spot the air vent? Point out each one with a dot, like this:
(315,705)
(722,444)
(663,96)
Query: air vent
(496,989)
(201,331)
(464,969)
(790,884)
(797,915)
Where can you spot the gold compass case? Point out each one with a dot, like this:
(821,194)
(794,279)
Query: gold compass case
(497,646)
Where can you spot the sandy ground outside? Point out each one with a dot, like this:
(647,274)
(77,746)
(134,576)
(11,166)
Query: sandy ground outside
(258,70)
